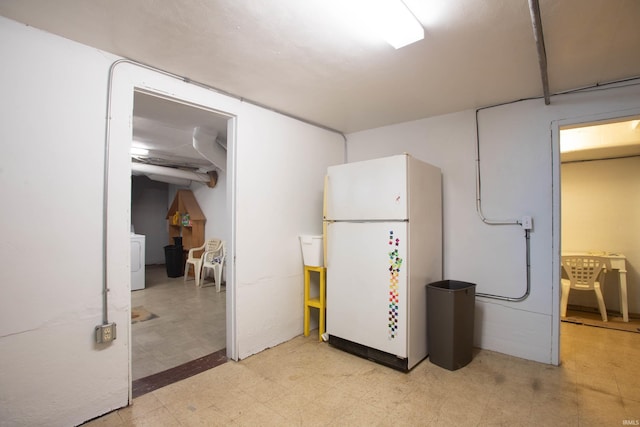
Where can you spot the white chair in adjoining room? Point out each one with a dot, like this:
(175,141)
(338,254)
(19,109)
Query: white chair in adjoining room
(214,259)
(584,273)
(196,261)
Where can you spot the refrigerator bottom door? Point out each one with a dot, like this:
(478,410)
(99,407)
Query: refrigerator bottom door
(367,284)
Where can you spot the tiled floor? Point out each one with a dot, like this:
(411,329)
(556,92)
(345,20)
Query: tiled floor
(305,382)
(592,317)
(191,323)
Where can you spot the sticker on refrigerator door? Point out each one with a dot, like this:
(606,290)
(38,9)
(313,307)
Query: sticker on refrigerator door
(395,262)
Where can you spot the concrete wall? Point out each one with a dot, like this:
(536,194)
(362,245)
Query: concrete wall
(519,177)
(53,104)
(213,202)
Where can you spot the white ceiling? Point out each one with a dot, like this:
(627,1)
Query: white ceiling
(303,57)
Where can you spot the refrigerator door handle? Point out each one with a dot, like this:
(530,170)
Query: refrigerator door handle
(324,222)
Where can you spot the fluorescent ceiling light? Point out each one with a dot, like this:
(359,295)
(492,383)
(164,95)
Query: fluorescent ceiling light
(138,151)
(387,19)
(397,24)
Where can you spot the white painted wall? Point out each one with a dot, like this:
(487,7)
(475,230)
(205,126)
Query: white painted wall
(53,108)
(276,193)
(213,202)
(53,112)
(601,211)
(279,196)
(517,179)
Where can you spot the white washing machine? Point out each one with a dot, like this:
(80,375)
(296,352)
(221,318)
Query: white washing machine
(137,261)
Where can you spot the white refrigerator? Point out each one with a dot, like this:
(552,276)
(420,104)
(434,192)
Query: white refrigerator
(384,245)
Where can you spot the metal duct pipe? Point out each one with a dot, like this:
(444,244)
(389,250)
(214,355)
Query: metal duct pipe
(150,170)
(170,180)
(536,22)
(205,144)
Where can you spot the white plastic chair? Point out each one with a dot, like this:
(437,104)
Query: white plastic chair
(197,261)
(584,274)
(214,259)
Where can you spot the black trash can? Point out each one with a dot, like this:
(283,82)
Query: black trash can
(450,319)
(173,260)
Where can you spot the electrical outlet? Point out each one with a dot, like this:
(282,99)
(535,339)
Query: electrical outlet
(105,333)
(527,222)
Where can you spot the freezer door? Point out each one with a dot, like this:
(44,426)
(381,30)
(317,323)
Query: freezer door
(368,190)
(367,284)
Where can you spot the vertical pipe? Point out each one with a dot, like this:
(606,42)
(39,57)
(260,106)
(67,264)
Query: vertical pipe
(536,22)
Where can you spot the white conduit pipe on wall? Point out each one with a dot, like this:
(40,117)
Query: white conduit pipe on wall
(597,86)
(536,22)
(500,222)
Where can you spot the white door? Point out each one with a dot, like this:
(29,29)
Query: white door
(367,284)
(368,190)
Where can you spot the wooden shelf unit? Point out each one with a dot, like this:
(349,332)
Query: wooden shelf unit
(192,235)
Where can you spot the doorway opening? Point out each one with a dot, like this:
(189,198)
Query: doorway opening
(126,79)
(178,325)
(599,177)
